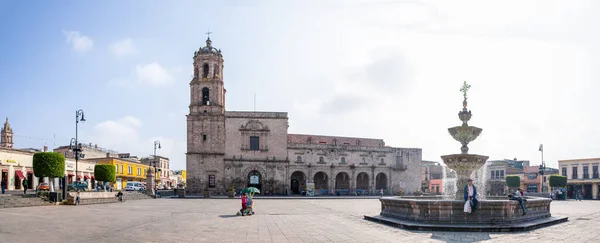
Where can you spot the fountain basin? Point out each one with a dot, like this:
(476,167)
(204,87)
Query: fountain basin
(492,214)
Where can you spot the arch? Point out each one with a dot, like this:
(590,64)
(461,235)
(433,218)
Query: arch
(321,180)
(216,70)
(205,96)
(362,181)
(205,70)
(254,179)
(298,182)
(342,181)
(381,181)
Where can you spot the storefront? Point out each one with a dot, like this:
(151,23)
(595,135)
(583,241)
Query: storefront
(532,188)
(16,166)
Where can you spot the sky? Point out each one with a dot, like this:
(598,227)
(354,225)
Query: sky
(375,69)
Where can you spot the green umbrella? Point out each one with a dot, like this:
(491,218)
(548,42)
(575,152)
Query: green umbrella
(250,190)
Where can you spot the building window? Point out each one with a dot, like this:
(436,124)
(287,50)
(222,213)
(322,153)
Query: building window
(321,160)
(205,96)
(586,174)
(205,70)
(122,170)
(130,170)
(66,154)
(254,143)
(364,161)
(501,174)
(574,173)
(203,137)
(211,181)
(117,168)
(564,171)
(595,172)
(299,158)
(545,178)
(343,161)
(382,161)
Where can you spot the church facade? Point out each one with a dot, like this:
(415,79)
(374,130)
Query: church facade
(230,150)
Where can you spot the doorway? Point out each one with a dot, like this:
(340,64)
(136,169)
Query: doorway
(298,180)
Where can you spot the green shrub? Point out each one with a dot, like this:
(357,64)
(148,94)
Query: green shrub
(513,181)
(49,164)
(558,181)
(106,173)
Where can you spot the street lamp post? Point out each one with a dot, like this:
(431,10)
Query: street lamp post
(75,145)
(542,167)
(156,143)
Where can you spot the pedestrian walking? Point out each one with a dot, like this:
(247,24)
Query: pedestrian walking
(78,197)
(25,185)
(3,184)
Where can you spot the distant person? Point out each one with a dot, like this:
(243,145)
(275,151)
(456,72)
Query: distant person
(244,201)
(120,196)
(78,197)
(25,185)
(470,194)
(517,197)
(3,185)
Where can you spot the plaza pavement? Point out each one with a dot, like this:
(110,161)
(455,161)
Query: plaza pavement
(276,220)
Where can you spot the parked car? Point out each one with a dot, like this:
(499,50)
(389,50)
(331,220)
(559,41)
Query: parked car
(44,187)
(134,186)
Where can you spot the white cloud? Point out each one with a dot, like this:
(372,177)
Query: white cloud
(125,136)
(80,42)
(123,47)
(153,74)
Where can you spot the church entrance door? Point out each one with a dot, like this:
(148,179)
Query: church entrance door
(255,179)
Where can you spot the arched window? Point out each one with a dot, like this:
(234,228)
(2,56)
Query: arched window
(321,160)
(205,96)
(205,71)
(343,161)
(299,158)
(382,161)
(216,71)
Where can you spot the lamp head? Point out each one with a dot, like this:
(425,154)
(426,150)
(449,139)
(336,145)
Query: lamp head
(159,146)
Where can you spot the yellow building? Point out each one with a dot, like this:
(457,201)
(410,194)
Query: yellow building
(127,170)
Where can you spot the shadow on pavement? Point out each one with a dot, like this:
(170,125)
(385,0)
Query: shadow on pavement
(227,216)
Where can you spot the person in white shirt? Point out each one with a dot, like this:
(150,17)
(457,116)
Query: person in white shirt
(517,197)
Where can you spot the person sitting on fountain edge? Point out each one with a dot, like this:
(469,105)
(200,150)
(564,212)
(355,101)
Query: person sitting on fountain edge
(470,193)
(517,196)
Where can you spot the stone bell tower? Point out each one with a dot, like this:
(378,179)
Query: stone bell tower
(206,122)
(6,136)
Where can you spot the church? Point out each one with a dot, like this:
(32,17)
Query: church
(231,150)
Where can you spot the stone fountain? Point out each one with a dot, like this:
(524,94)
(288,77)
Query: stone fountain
(442,214)
(464,163)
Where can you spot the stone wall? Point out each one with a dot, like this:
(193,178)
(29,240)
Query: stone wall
(270,127)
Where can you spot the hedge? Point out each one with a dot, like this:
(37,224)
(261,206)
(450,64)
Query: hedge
(106,173)
(513,181)
(49,164)
(558,181)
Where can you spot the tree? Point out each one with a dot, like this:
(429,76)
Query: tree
(513,181)
(105,173)
(558,181)
(49,164)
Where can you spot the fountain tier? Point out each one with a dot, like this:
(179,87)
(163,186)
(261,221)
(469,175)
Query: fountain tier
(464,165)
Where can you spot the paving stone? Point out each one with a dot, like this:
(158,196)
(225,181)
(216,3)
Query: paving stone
(213,220)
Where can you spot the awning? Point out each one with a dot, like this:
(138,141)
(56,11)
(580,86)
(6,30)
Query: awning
(79,176)
(29,172)
(19,174)
(4,170)
(93,178)
(70,174)
(86,177)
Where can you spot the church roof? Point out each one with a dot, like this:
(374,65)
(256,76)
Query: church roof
(208,49)
(7,127)
(334,140)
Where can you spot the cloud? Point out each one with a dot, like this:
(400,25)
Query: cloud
(153,74)
(80,42)
(123,48)
(345,103)
(125,136)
